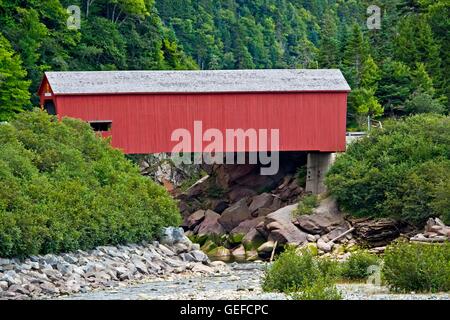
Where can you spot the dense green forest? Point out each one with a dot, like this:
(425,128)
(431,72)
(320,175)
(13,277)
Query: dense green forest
(401,68)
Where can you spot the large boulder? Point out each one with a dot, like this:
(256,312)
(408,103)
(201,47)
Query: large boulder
(221,253)
(239,252)
(324,218)
(245,226)
(378,232)
(266,248)
(281,229)
(253,239)
(172,235)
(217,205)
(210,225)
(264,200)
(234,215)
(195,219)
(226,175)
(239,193)
(259,182)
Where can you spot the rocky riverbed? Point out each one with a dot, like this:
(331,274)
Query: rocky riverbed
(234,282)
(49,276)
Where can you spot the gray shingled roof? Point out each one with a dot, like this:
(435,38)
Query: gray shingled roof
(281,80)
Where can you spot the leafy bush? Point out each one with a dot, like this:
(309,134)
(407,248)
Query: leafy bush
(294,271)
(306,205)
(63,188)
(401,171)
(321,289)
(357,265)
(417,267)
(300,176)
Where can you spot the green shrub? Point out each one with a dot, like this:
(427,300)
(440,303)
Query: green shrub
(300,176)
(321,289)
(400,171)
(295,270)
(63,188)
(417,267)
(357,265)
(306,205)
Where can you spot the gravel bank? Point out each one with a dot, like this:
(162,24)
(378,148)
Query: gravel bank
(234,282)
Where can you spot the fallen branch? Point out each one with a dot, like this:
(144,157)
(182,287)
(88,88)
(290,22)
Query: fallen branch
(273,251)
(429,240)
(343,234)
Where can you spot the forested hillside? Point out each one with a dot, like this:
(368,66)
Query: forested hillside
(399,69)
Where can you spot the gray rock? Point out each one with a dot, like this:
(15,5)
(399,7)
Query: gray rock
(102,276)
(324,246)
(93,267)
(245,226)
(7,267)
(187,257)
(166,251)
(33,289)
(70,258)
(180,248)
(123,273)
(4,285)
(35,258)
(18,289)
(24,266)
(11,277)
(239,252)
(37,277)
(173,263)
(281,228)
(234,215)
(253,239)
(140,266)
(264,200)
(239,193)
(324,219)
(51,260)
(266,248)
(52,273)
(195,219)
(199,256)
(210,225)
(172,235)
(49,288)
(64,268)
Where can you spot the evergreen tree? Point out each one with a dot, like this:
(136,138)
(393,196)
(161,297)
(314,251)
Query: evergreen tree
(395,86)
(422,81)
(415,44)
(362,100)
(14,95)
(356,52)
(329,43)
(422,99)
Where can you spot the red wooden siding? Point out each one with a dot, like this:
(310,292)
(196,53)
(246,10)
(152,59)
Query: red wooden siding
(143,123)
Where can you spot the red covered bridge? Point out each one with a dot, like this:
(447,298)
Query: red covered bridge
(141,109)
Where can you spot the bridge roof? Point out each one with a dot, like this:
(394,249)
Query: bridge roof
(213,81)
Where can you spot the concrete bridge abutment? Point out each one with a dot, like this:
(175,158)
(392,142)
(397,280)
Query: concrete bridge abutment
(318,164)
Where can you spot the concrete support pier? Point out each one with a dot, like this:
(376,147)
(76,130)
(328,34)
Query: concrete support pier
(317,167)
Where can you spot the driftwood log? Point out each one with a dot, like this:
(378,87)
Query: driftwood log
(377,232)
